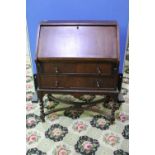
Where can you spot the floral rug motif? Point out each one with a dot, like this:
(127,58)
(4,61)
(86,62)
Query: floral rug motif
(35,151)
(76,132)
(86,145)
(120,152)
(61,150)
(125,132)
(100,122)
(79,126)
(32,120)
(111,139)
(56,132)
(32,137)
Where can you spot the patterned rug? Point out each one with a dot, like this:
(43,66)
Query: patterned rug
(76,132)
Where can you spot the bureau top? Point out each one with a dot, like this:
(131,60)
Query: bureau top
(83,39)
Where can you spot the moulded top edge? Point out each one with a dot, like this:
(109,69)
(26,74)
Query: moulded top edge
(78,22)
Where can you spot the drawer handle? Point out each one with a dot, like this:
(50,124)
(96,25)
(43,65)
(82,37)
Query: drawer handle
(56,70)
(99,70)
(98,84)
(56,83)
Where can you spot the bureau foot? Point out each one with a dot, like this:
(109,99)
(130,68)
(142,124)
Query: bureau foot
(112,116)
(42,114)
(113,109)
(42,117)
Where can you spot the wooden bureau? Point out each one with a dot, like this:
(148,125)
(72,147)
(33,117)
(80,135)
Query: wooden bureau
(77,58)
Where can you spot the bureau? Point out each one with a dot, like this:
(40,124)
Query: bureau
(78,57)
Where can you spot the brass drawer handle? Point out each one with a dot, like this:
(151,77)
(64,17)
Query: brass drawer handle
(99,70)
(56,83)
(56,70)
(98,84)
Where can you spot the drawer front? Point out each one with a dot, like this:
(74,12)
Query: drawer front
(49,81)
(105,69)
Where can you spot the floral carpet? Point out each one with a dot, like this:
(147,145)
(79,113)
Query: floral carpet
(76,132)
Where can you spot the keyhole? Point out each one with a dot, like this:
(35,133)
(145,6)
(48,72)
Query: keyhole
(77,27)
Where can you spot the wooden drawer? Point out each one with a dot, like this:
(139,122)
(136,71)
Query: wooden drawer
(105,69)
(50,81)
